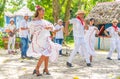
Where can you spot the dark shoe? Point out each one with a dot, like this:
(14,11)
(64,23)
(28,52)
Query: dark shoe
(60,54)
(96,35)
(9,52)
(34,72)
(22,57)
(45,71)
(37,74)
(109,58)
(118,58)
(69,64)
(12,52)
(29,58)
(88,64)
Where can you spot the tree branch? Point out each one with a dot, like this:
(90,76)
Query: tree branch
(62,2)
(67,10)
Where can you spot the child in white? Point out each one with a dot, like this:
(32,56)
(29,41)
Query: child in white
(59,29)
(90,38)
(10,28)
(114,32)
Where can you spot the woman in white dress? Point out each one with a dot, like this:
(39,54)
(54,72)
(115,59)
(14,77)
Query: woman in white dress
(90,33)
(41,42)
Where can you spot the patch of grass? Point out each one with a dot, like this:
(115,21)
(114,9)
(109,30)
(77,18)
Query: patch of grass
(5,61)
(71,44)
(118,77)
(69,41)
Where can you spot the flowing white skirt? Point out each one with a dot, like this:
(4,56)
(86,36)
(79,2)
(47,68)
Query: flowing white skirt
(43,45)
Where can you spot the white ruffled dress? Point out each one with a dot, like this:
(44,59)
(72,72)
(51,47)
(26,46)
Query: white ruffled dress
(90,39)
(41,42)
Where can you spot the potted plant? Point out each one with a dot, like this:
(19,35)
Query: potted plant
(5,39)
(17,43)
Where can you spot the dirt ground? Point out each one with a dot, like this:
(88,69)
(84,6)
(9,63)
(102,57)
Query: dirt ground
(12,67)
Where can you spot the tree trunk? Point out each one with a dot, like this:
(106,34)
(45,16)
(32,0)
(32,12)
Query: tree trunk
(67,11)
(56,10)
(2,6)
(79,4)
(57,7)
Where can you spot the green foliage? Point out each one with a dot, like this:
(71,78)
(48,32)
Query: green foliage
(17,39)
(2,20)
(85,5)
(47,4)
(2,6)
(1,40)
(118,77)
(2,35)
(14,5)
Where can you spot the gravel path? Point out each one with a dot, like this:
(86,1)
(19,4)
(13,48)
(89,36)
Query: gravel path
(12,67)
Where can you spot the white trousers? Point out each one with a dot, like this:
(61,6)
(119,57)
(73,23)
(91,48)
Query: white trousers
(115,44)
(11,42)
(79,43)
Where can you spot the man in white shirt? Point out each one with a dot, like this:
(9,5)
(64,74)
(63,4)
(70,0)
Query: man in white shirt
(23,33)
(114,34)
(59,29)
(79,41)
(10,29)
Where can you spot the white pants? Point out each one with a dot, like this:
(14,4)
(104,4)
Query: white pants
(11,41)
(79,43)
(115,44)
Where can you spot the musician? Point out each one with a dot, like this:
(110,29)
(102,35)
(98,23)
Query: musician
(59,36)
(11,41)
(114,32)
(23,33)
(78,33)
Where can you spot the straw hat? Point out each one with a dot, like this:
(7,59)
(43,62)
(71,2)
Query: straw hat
(12,19)
(60,20)
(79,12)
(115,20)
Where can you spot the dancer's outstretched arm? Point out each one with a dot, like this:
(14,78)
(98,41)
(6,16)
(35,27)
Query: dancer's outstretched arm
(106,33)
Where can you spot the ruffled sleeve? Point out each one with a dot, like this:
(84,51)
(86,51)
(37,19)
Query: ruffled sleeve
(49,24)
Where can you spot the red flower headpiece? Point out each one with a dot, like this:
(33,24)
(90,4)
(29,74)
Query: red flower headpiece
(37,7)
